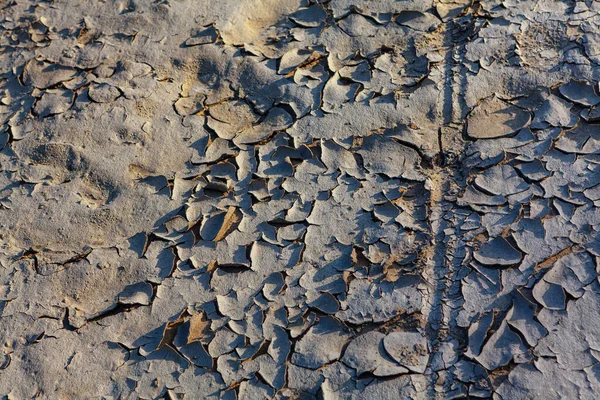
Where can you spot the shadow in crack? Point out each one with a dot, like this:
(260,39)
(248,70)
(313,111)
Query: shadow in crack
(447,252)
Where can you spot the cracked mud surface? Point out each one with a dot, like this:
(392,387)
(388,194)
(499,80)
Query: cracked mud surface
(300,199)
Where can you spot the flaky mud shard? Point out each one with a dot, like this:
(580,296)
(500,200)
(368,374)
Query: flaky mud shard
(299,199)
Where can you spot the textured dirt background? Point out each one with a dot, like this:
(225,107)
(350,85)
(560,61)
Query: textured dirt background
(299,199)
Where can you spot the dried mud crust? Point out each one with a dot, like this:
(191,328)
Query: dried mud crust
(298,199)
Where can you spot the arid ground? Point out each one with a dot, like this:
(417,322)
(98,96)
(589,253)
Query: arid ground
(299,199)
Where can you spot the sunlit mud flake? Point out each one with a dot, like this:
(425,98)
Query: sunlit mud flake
(134,79)
(268,258)
(202,36)
(573,272)
(591,114)
(593,193)
(382,155)
(273,372)
(546,379)
(42,75)
(549,295)
(215,151)
(280,346)
(249,21)
(583,139)
(554,112)
(323,279)
(356,25)
(484,153)
(478,331)
(409,349)
(301,325)
(366,353)
(229,118)
(522,318)
(220,224)
(310,17)
(386,212)
(580,92)
(265,199)
(337,376)
(574,333)
(103,93)
(139,293)
(322,343)
(53,101)
(498,252)
(255,389)
(276,120)
(311,180)
(446,355)
(380,10)
(502,179)
(273,285)
(194,351)
(534,171)
(234,304)
(418,21)
(290,60)
(336,157)
(591,43)
(224,342)
(494,118)
(323,302)
(232,370)
(344,223)
(291,232)
(449,9)
(367,302)
(472,197)
(338,92)
(304,380)
(188,105)
(501,348)
(169,331)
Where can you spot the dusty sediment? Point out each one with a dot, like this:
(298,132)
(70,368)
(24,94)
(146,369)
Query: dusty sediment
(339,199)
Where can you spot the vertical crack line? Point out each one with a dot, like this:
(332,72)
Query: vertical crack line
(436,268)
(446,252)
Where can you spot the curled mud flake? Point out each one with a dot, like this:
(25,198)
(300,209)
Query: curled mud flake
(418,20)
(449,9)
(292,59)
(583,139)
(498,252)
(495,118)
(53,101)
(503,346)
(310,17)
(140,293)
(581,93)
(202,36)
(276,120)
(103,93)
(409,349)
(43,75)
(382,155)
(322,343)
(501,180)
(366,353)
(554,112)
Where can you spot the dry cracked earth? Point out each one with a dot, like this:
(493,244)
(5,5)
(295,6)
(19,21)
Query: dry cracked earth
(299,199)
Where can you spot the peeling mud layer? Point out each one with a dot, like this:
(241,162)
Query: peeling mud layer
(299,199)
